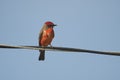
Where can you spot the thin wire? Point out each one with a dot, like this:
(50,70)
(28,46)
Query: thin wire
(65,49)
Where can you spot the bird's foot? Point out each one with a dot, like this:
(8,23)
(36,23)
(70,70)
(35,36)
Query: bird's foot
(51,46)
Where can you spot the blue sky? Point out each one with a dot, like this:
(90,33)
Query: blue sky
(87,24)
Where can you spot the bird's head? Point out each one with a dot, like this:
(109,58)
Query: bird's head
(50,24)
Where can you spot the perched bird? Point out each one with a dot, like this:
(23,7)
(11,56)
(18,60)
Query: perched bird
(45,37)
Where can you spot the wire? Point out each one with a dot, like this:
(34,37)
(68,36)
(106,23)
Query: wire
(65,49)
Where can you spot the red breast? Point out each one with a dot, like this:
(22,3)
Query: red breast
(47,37)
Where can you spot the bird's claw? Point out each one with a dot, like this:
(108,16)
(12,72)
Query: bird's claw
(51,46)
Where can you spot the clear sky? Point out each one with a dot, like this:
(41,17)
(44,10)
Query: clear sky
(87,24)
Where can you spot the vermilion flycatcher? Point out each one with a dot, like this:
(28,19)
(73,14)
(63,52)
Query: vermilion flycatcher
(45,37)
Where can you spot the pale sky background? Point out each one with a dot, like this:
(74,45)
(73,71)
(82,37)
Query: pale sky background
(86,24)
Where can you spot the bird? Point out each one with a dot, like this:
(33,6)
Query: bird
(46,36)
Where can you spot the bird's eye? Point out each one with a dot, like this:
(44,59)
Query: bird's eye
(50,25)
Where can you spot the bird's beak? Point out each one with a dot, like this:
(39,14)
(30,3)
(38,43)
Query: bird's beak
(55,25)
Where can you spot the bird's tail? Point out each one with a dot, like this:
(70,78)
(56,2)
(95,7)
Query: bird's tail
(42,55)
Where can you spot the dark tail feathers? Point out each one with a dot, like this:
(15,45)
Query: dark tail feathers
(42,55)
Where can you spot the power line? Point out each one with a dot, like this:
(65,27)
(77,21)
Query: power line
(65,49)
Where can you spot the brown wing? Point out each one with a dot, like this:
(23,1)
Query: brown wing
(41,33)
